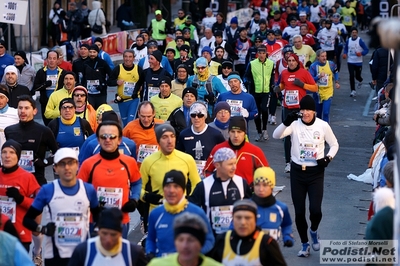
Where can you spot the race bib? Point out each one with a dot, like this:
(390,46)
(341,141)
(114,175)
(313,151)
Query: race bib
(111,196)
(235,105)
(26,161)
(8,207)
(274,233)
(92,86)
(346,19)
(323,81)
(221,217)
(200,164)
(308,152)
(302,58)
(146,150)
(69,227)
(128,88)
(292,97)
(53,79)
(152,91)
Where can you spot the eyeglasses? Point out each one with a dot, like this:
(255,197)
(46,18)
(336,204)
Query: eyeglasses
(108,136)
(79,95)
(201,68)
(198,115)
(65,107)
(69,163)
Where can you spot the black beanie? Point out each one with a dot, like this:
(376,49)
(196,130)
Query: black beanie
(22,54)
(166,80)
(66,100)
(98,39)
(4,90)
(189,90)
(110,116)
(238,122)
(160,129)
(111,218)
(176,177)
(307,103)
(13,145)
(158,55)
(94,47)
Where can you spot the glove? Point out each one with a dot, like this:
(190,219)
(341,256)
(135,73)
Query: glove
(344,56)
(117,99)
(39,163)
(308,64)
(13,192)
(129,206)
(48,83)
(324,161)
(49,229)
(244,112)
(359,54)
(153,197)
(292,116)
(288,243)
(210,98)
(277,89)
(298,82)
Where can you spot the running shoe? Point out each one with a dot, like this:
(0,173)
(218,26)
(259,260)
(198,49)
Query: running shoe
(315,240)
(353,94)
(305,250)
(265,135)
(287,168)
(273,120)
(359,85)
(259,137)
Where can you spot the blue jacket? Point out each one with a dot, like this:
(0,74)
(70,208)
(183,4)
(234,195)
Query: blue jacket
(160,239)
(164,64)
(249,103)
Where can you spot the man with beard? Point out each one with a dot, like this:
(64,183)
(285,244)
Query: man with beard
(94,77)
(78,64)
(180,19)
(26,72)
(296,81)
(226,69)
(327,38)
(219,42)
(219,52)
(185,60)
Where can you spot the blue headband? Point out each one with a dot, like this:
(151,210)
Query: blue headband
(234,76)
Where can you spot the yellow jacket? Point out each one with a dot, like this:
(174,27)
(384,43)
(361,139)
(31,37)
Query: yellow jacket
(52,110)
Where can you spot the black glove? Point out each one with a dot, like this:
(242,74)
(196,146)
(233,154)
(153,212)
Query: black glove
(48,83)
(39,163)
(210,98)
(153,197)
(308,64)
(298,82)
(288,243)
(277,89)
(49,229)
(324,161)
(13,192)
(129,206)
(292,116)
(150,256)
(117,99)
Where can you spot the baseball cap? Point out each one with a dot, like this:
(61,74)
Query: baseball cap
(64,153)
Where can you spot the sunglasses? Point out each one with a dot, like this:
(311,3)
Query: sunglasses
(65,107)
(198,115)
(201,68)
(79,95)
(108,136)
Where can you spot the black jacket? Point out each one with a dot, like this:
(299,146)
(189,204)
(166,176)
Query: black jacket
(15,92)
(379,66)
(96,69)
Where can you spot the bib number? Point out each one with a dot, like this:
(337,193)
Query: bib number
(235,105)
(221,217)
(53,79)
(200,164)
(92,86)
(292,97)
(308,152)
(152,91)
(9,207)
(146,150)
(69,228)
(111,196)
(128,88)
(26,161)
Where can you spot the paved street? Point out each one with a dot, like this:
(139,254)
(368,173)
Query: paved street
(354,132)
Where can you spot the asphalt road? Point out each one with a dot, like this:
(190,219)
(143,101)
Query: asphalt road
(341,203)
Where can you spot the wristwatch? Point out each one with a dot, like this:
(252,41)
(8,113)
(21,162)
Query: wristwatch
(39,228)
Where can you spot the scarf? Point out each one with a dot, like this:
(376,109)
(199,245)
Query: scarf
(5,108)
(20,67)
(205,76)
(264,202)
(68,122)
(271,42)
(294,70)
(109,253)
(80,110)
(175,209)
(221,125)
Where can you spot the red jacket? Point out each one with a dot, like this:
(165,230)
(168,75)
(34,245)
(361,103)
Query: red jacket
(275,25)
(28,187)
(249,158)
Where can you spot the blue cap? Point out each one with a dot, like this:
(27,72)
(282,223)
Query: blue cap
(201,62)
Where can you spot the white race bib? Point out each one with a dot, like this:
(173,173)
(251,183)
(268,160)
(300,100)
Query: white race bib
(235,105)
(146,150)
(111,196)
(128,88)
(53,79)
(92,86)
(8,207)
(152,91)
(221,217)
(200,164)
(308,152)
(69,227)
(26,161)
(292,97)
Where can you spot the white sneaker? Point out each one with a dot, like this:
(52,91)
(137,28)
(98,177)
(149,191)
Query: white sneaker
(287,168)
(273,120)
(259,137)
(353,94)
(265,135)
(304,251)
(315,240)
(37,259)
(269,118)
